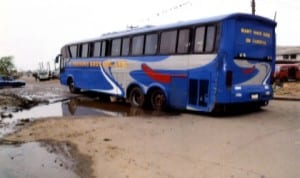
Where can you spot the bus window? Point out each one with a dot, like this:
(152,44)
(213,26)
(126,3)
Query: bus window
(125,46)
(116,47)
(73,50)
(199,40)
(65,53)
(210,38)
(91,49)
(151,43)
(183,41)
(84,50)
(168,42)
(97,49)
(137,45)
(103,49)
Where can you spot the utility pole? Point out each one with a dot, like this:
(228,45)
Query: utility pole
(253,7)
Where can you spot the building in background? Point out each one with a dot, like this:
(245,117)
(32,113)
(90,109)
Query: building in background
(289,54)
(287,64)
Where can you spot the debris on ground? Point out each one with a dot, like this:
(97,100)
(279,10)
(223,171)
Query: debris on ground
(13,100)
(287,89)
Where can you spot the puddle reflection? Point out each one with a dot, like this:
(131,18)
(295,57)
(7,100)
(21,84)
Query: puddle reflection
(83,107)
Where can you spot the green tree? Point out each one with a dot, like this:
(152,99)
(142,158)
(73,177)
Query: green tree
(7,66)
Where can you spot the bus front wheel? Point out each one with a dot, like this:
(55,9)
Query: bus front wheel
(72,87)
(158,99)
(137,97)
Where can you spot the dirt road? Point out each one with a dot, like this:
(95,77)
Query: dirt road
(255,145)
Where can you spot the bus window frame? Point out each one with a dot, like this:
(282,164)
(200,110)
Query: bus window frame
(215,38)
(120,47)
(157,43)
(83,45)
(143,44)
(90,49)
(100,49)
(190,30)
(194,39)
(105,52)
(160,40)
(74,53)
(128,46)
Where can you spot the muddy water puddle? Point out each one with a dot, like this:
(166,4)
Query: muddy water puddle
(45,159)
(14,118)
(37,159)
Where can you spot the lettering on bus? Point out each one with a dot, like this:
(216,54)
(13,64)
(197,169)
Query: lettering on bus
(117,64)
(257,37)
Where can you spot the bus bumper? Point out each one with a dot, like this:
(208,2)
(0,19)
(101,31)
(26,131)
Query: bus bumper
(241,94)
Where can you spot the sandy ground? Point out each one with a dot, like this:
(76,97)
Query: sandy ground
(264,144)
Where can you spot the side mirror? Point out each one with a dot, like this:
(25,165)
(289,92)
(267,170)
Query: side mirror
(57,58)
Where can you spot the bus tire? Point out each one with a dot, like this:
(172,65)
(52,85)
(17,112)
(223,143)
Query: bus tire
(136,97)
(72,87)
(158,99)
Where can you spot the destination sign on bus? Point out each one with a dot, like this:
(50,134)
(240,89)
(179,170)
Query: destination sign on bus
(257,37)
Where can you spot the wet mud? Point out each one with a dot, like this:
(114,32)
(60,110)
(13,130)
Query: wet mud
(49,159)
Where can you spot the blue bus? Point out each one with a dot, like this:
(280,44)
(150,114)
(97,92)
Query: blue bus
(198,65)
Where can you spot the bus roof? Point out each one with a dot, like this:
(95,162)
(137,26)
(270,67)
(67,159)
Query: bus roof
(150,28)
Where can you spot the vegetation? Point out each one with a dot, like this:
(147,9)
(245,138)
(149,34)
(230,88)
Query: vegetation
(7,66)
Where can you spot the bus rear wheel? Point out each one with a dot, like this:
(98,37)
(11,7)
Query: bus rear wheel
(158,99)
(137,97)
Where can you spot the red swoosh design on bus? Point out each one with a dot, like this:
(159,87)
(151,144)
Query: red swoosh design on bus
(159,77)
(249,70)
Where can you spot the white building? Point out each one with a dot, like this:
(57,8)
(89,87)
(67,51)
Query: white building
(285,54)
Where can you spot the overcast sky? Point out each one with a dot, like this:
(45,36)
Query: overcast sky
(33,31)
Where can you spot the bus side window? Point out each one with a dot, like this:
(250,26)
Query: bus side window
(183,41)
(84,50)
(73,51)
(65,53)
(97,49)
(91,50)
(116,47)
(168,42)
(210,38)
(106,48)
(137,45)
(103,49)
(125,46)
(151,44)
(199,40)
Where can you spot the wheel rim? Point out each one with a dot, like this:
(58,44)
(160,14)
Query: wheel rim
(158,100)
(137,98)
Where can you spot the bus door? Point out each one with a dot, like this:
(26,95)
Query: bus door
(199,91)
